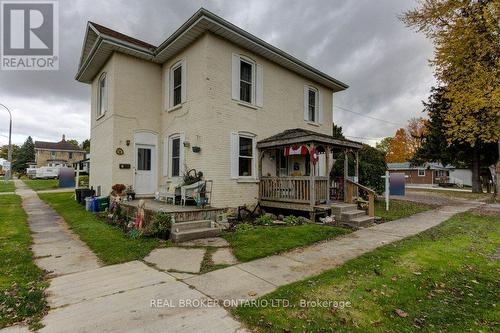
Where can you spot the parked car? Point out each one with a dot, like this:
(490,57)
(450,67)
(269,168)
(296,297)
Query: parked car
(47,173)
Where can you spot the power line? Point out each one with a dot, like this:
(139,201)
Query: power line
(362,137)
(364,115)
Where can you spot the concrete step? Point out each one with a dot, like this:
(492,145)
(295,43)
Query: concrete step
(184,226)
(338,208)
(361,222)
(190,234)
(352,214)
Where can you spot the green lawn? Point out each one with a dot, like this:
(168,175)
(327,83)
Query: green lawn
(108,242)
(399,209)
(42,184)
(442,280)
(7,186)
(447,193)
(21,281)
(264,241)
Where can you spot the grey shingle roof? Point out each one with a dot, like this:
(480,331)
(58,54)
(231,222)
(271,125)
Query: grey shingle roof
(61,145)
(300,135)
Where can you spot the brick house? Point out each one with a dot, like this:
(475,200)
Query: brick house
(432,174)
(214,98)
(57,153)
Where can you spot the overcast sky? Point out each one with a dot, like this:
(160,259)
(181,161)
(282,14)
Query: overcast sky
(360,42)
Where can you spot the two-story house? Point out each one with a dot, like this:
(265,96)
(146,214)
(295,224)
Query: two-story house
(57,153)
(214,98)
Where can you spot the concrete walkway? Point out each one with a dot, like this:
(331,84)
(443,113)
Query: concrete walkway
(256,278)
(129,297)
(57,250)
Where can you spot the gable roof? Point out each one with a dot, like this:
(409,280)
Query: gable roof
(409,166)
(100,42)
(300,135)
(61,145)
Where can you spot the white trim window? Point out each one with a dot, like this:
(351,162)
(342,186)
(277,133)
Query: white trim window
(102,95)
(313,112)
(421,172)
(247,81)
(243,156)
(175,155)
(176,78)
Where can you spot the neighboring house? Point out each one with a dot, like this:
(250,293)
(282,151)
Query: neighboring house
(432,174)
(83,165)
(57,153)
(205,99)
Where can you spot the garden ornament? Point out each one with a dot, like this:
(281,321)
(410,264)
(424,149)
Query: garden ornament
(140,214)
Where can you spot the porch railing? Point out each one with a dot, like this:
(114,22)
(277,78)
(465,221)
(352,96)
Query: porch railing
(293,189)
(351,186)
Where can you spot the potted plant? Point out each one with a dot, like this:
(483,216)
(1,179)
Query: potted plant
(130,193)
(118,190)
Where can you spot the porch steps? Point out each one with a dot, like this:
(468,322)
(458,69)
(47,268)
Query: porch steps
(185,231)
(350,215)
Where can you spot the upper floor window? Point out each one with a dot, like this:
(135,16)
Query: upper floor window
(70,155)
(102,98)
(247,80)
(53,154)
(312,105)
(312,97)
(177,84)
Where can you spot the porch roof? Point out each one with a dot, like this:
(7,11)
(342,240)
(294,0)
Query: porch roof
(300,135)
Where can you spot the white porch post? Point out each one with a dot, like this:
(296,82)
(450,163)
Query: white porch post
(312,194)
(346,172)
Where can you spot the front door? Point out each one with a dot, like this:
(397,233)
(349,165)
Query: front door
(145,168)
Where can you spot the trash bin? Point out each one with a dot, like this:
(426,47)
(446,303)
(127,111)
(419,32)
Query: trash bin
(94,205)
(85,192)
(78,195)
(88,203)
(102,203)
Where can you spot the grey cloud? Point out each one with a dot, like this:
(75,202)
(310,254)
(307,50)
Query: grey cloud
(359,42)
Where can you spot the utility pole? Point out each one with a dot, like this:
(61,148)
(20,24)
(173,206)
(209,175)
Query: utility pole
(8,174)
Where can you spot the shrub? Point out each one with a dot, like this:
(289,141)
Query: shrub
(291,219)
(159,225)
(242,227)
(264,220)
(83,181)
(135,233)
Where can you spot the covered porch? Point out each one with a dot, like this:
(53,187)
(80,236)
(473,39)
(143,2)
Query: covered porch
(294,171)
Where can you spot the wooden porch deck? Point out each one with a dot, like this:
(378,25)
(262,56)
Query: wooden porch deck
(180,213)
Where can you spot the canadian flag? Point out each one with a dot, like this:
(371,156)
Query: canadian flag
(296,150)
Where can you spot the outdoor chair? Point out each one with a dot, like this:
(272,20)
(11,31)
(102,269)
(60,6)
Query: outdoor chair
(167,192)
(190,191)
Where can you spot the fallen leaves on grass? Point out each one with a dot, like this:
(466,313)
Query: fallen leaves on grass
(401,313)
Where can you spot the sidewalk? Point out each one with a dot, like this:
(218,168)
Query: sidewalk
(256,278)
